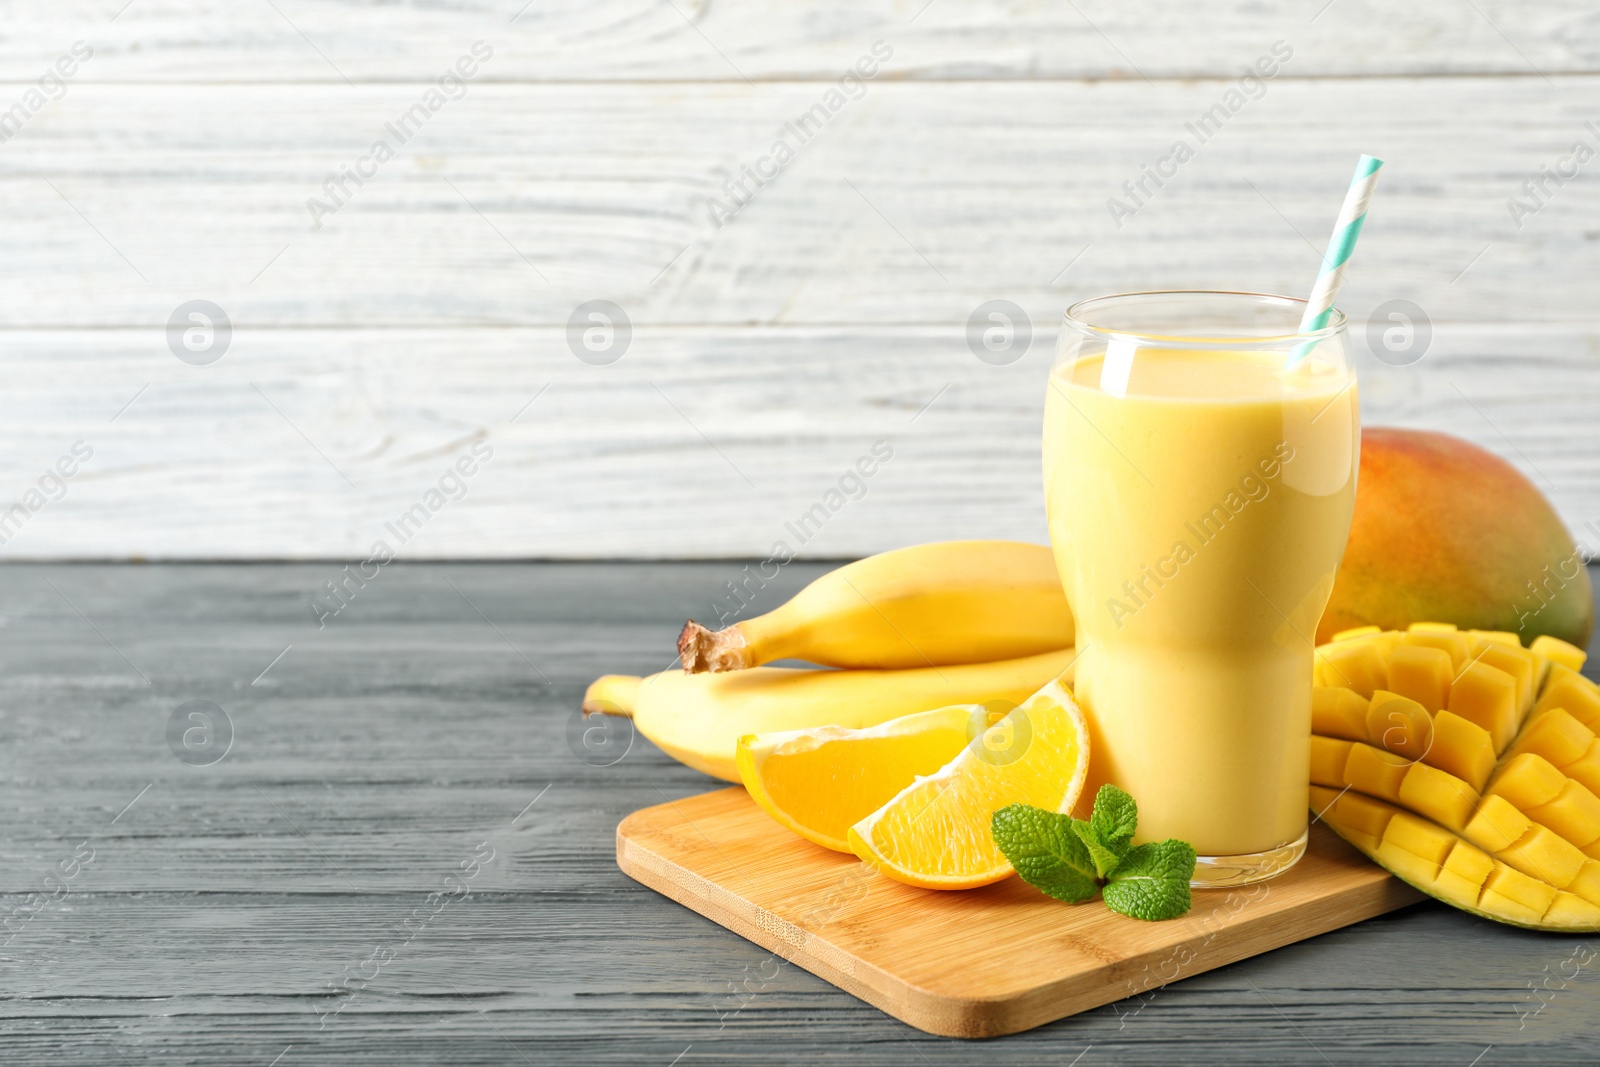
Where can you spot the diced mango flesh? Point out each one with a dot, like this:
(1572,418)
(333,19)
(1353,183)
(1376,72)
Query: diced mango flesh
(1496,824)
(1453,644)
(1516,661)
(1329,756)
(1570,910)
(1587,770)
(1472,864)
(1418,870)
(1339,712)
(1367,815)
(1421,673)
(1447,885)
(1544,854)
(1462,748)
(1574,814)
(1571,691)
(1509,909)
(1420,837)
(1442,797)
(1528,781)
(1520,887)
(1351,810)
(1487,696)
(1555,735)
(1375,772)
(1586,883)
(1399,724)
(1558,651)
(1467,765)
(1355,665)
(1322,797)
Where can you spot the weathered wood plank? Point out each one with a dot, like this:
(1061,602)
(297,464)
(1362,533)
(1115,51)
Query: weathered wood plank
(416,788)
(705,442)
(623,970)
(914,204)
(613,40)
(563,960)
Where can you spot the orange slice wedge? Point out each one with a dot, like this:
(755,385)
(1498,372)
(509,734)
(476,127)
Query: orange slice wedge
(818,782)
(935,832)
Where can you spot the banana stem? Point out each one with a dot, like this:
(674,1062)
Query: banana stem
(612,694)
(701,649)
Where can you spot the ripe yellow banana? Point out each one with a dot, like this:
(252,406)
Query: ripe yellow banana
(929,605)
(698,719)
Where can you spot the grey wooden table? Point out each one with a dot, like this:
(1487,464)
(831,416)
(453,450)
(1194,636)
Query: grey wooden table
(380,847)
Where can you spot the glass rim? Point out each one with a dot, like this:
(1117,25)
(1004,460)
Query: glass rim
(1075,318)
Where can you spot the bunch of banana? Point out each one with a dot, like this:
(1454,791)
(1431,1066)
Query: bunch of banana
(954,622)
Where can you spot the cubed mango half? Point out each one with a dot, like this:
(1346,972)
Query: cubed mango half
(1467,765)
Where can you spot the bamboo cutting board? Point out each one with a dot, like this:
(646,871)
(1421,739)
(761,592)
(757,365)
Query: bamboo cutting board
(982,962)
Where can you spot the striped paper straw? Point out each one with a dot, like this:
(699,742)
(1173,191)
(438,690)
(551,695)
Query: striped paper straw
(1319,308)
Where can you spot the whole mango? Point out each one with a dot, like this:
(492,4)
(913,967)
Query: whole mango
(1444,530)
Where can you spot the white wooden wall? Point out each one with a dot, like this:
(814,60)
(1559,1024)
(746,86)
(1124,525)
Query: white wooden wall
(767,354)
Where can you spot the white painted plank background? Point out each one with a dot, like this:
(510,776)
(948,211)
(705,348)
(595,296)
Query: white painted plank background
(700,442)
(698,40)
(518,202)
(768,353)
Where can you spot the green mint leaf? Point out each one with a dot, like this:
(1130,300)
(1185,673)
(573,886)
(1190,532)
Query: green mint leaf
(1105,860)
(1114,818)
(1153,881)
(1046,852)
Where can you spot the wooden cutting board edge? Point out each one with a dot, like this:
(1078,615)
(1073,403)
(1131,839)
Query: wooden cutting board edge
(783,938)
(979,1017)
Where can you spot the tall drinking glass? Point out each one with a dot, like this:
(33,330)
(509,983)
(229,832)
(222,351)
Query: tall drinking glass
(1199,491)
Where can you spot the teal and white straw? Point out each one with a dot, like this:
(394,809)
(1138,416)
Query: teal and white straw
(1319,308)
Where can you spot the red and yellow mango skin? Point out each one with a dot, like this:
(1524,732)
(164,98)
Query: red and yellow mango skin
(1444,530)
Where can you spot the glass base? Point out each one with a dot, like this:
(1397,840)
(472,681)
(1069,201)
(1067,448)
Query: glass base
(1220,872)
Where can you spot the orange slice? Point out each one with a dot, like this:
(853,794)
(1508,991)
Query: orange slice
(818,782)
(935,832)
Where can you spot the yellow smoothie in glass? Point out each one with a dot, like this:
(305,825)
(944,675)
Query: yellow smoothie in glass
(1198,503)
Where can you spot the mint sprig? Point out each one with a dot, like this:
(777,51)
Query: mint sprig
(1114,818)
(1153,881)
(1043,848)
(1073,859)
(1106,858)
